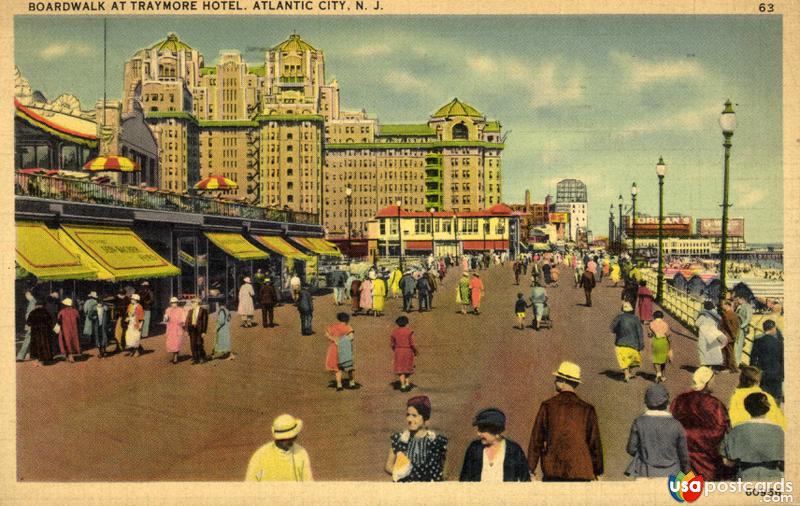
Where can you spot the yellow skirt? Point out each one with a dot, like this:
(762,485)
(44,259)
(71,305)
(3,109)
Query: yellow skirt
(628,357)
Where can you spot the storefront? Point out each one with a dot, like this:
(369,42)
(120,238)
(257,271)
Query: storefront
(231,258)
(288,259)
(327,257)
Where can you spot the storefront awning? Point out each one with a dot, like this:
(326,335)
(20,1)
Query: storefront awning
(485,245)
(418,245)
(280,246)
(40,253)
(236,246)
(318,246)
(117,253)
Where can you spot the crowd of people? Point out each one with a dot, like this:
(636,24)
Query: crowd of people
(694,431)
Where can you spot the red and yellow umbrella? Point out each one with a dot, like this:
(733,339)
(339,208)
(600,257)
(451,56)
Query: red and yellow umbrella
(213,182)
(111,163)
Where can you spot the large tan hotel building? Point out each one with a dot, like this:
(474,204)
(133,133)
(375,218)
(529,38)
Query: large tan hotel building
(278,130)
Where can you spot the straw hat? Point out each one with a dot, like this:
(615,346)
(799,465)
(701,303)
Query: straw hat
(92,294)
(286,427)
(135,297)
(67,301)
(173,300)
(701,377)
(569,371)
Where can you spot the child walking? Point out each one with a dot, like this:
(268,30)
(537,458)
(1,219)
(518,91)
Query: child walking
(519,308)
(334,333)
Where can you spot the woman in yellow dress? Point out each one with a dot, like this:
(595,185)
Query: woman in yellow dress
(378,293)
(615,273)
(394,281)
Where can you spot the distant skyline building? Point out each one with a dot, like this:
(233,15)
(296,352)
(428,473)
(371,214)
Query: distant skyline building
(571,197)
(278,130)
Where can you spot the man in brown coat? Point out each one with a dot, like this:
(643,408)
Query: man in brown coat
(268,297)
(196,327)
(566,436)
(730,325)
(588,283)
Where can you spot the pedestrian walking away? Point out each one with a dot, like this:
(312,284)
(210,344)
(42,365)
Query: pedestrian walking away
(335,333)
(705,420)
(146,300)
(268,298)
(767,354)
(588,283)
(493,457)
(476,292)
(565,437)
(305,306)
(755,447)
(402,343)
(644,302)
(246,307)
(41,325)
(659,333)
(282,459)
(462,292)
(628,340)
(67,325)
(519,309)
(657,442)
(222,342)
(749,381)
(417,454)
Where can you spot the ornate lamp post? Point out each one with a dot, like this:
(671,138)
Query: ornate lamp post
(349,197)
(634,192)
(619,228)
(611,235)
(400,231)
(661,171)
(727,122)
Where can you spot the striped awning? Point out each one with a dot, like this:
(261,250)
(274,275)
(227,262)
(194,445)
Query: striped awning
(236,246)
(279,245)
(39,252)
(318,246)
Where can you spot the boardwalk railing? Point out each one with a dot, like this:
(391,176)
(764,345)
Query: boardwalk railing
(681,305)
(76,190)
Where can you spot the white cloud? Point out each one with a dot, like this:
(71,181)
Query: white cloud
(373,50)
(552,88)
(750,198)
(482,64)
(691,120)
(406,82)
(642,72)
(58,50)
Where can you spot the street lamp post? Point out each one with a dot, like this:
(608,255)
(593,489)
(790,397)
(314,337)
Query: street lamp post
(634,192)
(661,171)
(485,229)
(611,234)
(619,228)
(400,232)
(727,122)
(349,197)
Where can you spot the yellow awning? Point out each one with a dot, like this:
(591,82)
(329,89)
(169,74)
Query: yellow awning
(116,252)
(236,246)
(40,253)
(281,247)
(318,246)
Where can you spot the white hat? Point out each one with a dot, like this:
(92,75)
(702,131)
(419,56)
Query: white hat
(135,297)
(93,294)
(173,300)
(247,280)
(701,377)
(286,427)
(67,301)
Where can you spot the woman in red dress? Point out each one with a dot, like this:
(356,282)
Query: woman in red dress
(402,342)
(645,302)
(333,333)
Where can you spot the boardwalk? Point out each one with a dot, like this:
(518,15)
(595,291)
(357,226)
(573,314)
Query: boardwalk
(144,419)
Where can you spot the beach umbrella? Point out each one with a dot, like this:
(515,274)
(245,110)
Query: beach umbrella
(213,182)
(111,163)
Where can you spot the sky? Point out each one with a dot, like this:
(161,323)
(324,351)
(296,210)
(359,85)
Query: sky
(598,98)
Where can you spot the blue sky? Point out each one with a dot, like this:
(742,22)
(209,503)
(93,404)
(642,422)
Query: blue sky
(598,98)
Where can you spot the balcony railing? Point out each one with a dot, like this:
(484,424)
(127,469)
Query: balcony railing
(75,190)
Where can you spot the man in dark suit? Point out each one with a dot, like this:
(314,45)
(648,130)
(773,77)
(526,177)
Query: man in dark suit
(196,327)
(566,436)
(767,355)
(588,283)
(268,297)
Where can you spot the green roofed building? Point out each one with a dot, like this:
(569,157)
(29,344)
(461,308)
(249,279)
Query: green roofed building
(276,127)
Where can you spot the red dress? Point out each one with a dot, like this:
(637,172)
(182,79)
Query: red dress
(705,420)
(404,350)
(645,298)
(336,330)
(68,336)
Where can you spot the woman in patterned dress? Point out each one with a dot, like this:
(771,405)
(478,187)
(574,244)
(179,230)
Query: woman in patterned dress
(418,453)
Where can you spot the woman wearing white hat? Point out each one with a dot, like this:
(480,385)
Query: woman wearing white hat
(281,459)
(175,318)
(133,334)
(67,330)
(246,307)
